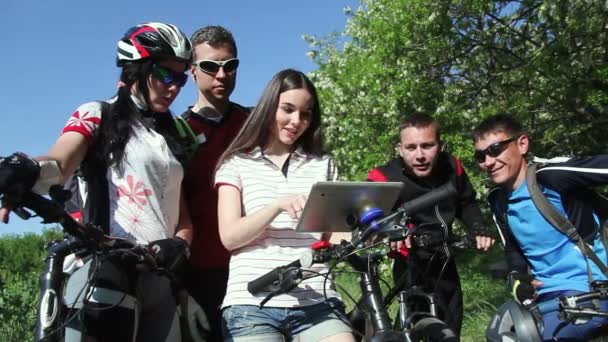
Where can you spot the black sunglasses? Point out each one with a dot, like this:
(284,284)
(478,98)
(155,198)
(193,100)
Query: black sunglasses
(212,67)
(168,76)
(493,150)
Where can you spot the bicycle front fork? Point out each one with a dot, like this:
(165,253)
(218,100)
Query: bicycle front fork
(51,281)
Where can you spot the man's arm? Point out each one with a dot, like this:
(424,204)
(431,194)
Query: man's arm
(376,175)
(468,210)
(575,173)
(516,261)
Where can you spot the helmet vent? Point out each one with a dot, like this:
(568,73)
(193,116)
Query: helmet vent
(168,36)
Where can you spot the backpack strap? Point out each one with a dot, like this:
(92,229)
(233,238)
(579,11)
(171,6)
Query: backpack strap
(95,209)
(187,135)
(559,221)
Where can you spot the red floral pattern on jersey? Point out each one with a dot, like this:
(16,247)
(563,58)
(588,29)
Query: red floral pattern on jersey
(84,123)
(135,192)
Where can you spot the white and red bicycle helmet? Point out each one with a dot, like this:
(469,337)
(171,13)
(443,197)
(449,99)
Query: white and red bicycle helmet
(153,40)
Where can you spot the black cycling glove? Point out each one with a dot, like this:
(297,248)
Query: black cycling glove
(170,253)
(18,173)
(479,229)
(521,287)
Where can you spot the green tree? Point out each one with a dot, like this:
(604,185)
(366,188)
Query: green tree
(22,262)
(461,60)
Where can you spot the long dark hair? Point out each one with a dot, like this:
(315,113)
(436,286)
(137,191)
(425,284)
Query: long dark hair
(256,130)
(119,121)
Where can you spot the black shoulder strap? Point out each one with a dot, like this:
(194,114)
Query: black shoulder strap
(94,173)
(187,136)
(559,221)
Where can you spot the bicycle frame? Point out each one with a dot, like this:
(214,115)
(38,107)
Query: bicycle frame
(372,300)
(375,306)
(378,311)
(414,294)
(406,317)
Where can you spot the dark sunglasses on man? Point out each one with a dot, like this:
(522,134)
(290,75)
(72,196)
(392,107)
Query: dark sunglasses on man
(493,150)
(210,66)
(168,76)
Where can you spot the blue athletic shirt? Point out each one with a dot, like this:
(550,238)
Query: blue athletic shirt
(555,259)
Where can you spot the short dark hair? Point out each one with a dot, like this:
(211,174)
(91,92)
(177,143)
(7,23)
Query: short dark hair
(498,123)
(213,35)
(420,120)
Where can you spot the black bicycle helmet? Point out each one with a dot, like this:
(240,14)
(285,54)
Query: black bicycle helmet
(153,40)
(513,323)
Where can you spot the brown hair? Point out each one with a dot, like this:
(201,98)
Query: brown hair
(420,120)
(256,129)
(498,123)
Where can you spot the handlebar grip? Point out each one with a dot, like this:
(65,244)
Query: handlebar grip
(259,284)
(430,198)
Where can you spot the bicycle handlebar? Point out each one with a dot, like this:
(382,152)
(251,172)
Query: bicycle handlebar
(337,252)
(51,211)
(430,198)
(90,236)
(569,302)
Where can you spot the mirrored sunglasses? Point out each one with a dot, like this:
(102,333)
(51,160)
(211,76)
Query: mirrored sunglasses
(212,67)
(493,150)
(168,76)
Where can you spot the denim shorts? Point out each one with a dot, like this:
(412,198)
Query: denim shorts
(307,323)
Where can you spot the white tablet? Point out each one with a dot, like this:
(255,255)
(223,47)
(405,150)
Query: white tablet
(333,206)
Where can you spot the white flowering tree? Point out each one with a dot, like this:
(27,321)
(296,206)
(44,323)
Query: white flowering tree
(543,61)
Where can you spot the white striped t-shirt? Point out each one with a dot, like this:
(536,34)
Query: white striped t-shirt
(261,182)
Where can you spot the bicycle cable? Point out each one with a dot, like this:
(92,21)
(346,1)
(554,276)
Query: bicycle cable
(69,319)
(328,274)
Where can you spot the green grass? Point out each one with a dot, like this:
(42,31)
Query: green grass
(482,294)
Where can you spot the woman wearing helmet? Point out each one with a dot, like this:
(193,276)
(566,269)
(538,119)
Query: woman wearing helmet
(132,141)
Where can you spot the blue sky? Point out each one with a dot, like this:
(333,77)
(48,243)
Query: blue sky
(59,54)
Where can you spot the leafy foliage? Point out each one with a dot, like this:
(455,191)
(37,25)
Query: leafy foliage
(22,261)
(543,61)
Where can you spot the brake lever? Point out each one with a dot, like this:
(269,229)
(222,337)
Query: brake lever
(22,213)
(15,202)
(466,242)
(396,234)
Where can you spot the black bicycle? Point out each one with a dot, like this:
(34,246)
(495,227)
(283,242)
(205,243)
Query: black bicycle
(371,222)
(64,299)
(418,308)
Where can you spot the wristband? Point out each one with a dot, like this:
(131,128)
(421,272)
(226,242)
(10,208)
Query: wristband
(50,175)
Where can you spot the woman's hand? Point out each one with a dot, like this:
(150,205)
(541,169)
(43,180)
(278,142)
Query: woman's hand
(237,230)
(293,205)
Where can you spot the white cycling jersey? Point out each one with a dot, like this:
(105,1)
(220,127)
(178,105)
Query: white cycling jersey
(144,195)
